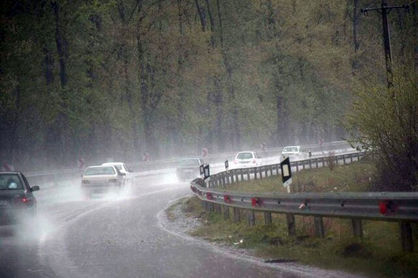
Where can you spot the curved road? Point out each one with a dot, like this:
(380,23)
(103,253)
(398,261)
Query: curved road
(121,237)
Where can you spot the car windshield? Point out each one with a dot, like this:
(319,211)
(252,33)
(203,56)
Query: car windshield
(99,171)
(10,182)
(290,149)
(245,156)
(189,162)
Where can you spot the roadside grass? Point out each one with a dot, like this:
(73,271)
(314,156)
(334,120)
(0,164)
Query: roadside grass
(377,254)
(356,177)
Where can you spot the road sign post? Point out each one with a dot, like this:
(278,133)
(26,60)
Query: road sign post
(226,165)
(286,170)
(206,171)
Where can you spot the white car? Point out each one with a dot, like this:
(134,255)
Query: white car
(293,152)
(119,165)
(246,159)
(103,178)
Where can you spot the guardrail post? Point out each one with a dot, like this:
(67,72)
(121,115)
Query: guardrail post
(223,180)
(291,229)
(232,177)
(277,169)
(266,171)
(344,159)
(226,212)
(316,160)
(310,163)
(357,226)
(303,164)
(218,208)
(237,215)
(255,173)
(297,166)
(271,170)
(205,205)
(319,227)
(406,236)
(242,174)
(211,208)
(251,217)
(248,174)
(267,218)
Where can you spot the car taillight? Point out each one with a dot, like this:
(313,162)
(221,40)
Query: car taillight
(25,200)
(113,180)
(85,182)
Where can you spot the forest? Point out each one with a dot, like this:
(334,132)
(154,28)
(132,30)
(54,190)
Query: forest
(118,78)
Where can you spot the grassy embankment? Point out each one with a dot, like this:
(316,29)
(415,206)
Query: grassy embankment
(377,254)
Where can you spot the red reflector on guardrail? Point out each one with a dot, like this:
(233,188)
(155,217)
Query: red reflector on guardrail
(209,196)
(255,202)
(386,207)
(383,207)
(227,199)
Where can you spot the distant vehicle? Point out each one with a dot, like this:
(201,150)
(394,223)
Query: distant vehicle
(123,169)
(293,152)
(16,198)
(119,165)
(246,159)
(188,168)
(101,179)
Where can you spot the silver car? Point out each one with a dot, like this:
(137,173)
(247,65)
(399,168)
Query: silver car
(100,179)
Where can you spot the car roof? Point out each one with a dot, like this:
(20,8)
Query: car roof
(291,147)
(112,163)
(10,172)
(100,166)
(246,152)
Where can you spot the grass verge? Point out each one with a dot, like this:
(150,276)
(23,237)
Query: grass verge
(377,254)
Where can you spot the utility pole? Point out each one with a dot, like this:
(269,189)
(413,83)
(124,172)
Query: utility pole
(384,10)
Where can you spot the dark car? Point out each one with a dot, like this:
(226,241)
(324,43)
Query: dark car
(188,168)
(16,198)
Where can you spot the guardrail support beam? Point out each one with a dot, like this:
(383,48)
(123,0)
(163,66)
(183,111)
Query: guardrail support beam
(237,215)
(211,208)
(251,218)
(218,208)
(291,228)
(406,236)
(357,226)
(319,227)
(226,212)
(267,218)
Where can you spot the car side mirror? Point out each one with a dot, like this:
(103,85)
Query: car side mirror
(122,174)
(34,188)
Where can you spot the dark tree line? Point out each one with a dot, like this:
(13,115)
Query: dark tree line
(117,78)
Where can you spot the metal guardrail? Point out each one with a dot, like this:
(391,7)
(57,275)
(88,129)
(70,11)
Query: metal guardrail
(224,178)
(383,206)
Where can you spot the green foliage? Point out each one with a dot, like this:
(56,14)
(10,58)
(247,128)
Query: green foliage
(117,78)
(385,122)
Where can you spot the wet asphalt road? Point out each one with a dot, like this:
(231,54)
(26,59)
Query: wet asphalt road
(119,237)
